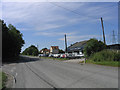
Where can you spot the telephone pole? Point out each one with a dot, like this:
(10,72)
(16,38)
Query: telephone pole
(103,30)
(113,39)
(65,44)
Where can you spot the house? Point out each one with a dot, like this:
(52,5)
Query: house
(54,50)
(77,48)
(45,51)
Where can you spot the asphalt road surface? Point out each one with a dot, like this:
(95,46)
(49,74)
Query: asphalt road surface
(31,72)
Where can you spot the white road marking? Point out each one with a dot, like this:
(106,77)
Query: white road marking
(16,75)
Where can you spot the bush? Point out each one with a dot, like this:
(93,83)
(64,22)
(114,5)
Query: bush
(93,46)
(32,50)
(106,55)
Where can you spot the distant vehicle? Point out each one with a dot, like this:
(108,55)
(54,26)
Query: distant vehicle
(50,55)
(43,55)
(74,55)
(56,55)
(79,55)
(63,55)
(40,55)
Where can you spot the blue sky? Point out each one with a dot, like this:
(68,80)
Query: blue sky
(44,24)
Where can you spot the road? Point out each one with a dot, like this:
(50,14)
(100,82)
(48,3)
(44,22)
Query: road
(32,72)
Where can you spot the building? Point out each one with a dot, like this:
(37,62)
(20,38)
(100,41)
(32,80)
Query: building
(54,50)
(77,48)
(45,51)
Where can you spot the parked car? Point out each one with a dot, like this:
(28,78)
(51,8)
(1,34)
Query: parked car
(63,55)
(56,55)
(50,55)
(74,55)
(40,55)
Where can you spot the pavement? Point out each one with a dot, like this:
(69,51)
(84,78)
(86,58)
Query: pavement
(32,72)
(75,60)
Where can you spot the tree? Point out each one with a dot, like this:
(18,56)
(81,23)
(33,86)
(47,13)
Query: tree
(61,51)
(32,50)
(12,41)
(93,46)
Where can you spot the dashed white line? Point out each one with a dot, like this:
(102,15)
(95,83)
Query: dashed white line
(16,75)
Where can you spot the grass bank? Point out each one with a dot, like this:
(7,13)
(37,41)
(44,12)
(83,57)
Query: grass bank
(106,63)
(105,57)
(3,79)
(54,58)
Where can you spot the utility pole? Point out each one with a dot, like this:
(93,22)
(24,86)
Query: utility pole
(113,39)
(65,44)
(103,30)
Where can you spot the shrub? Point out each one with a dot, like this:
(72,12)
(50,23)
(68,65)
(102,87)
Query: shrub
(93,46)
(106,55)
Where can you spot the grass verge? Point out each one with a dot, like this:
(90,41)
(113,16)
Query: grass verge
(105,57)
(106,63)
(3,79)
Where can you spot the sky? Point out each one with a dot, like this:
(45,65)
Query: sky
(45,23)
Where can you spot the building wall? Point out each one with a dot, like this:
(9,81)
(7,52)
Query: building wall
(54,51)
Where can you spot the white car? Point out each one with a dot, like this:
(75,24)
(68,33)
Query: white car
(56,55)
(50,55)
(40,55)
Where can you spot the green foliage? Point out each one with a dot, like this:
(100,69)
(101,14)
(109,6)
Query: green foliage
(3,79)
(93,46)
(12,41)
(106,55)
(32,50)
(106,63)
(61,51)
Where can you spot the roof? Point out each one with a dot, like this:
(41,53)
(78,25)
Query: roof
(45,50)
(77,46)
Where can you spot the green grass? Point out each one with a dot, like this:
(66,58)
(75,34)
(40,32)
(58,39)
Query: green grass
(105,57)
(54,58)
(3,79)
(106,63)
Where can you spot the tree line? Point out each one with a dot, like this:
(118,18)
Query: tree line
(12,40)
(33,51)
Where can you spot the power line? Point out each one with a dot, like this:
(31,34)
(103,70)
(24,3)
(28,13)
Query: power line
(72,11)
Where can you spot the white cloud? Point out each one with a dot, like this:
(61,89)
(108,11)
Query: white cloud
(45,16)
(60,0)
(0,10)
(47,27)
(53,34)
(79,38)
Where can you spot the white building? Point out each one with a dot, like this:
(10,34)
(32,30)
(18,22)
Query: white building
(54,50)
